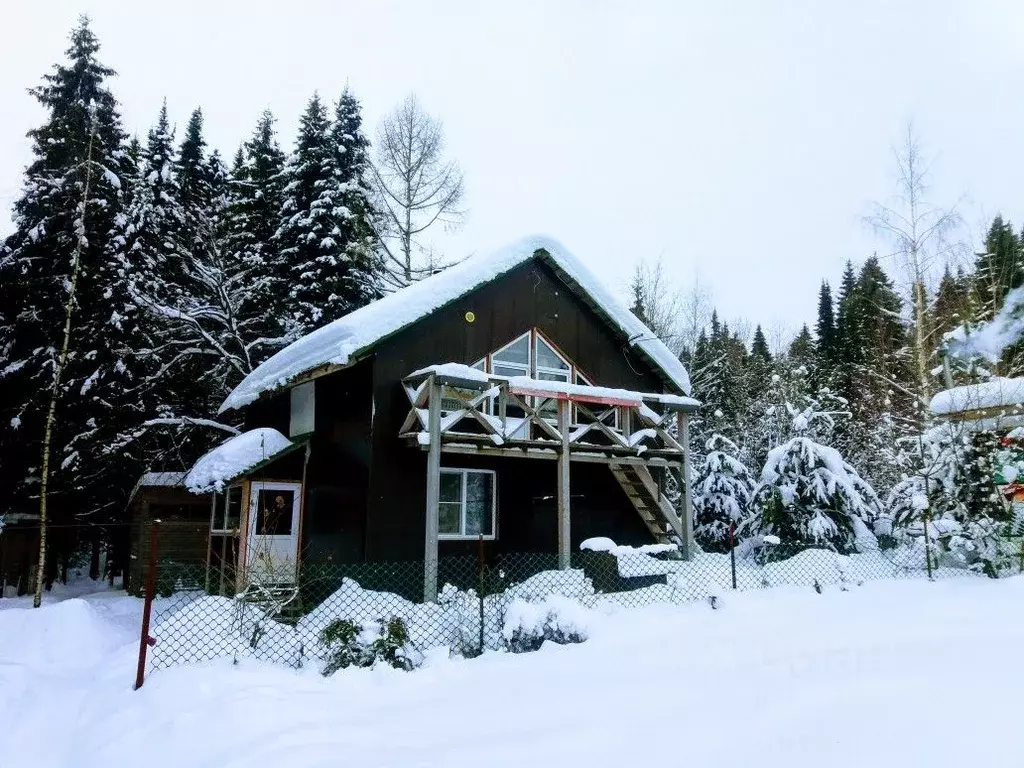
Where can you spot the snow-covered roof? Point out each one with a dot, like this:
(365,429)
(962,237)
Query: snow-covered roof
(158,480)
(234,457)
(995,393)
(162,479)
(351,337)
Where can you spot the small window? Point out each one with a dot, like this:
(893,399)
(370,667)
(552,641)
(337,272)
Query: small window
(227,509)
(275,512)
(466,509)
(303,407)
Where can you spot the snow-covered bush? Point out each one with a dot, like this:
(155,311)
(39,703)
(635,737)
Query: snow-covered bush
(558,619)
(349,644)
(809,495)
(465,605)
(949,497)
(722,494)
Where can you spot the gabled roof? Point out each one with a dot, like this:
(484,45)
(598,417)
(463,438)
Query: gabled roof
(352,337)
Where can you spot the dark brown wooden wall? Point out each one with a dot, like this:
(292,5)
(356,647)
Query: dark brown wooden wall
(338,474)
(529,296)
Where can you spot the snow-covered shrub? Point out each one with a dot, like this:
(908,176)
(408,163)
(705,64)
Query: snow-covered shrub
(948,496)
(465,605)
(722,494)
(349,644)
(558,619)
(809,495)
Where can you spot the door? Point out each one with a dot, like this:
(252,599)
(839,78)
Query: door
(272,551)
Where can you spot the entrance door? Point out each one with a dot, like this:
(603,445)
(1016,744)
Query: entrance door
(273,547)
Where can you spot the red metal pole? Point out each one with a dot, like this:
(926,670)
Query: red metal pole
(145,640)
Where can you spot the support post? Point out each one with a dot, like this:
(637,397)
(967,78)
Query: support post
(564,552)
(433,490)
(145,641)
(685,498)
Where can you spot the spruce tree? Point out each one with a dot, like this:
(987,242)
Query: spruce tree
(759,347)
(803,350)
(80,140)
(357,215)
(826,331)
(325,234)
(722,492)
(882,411)
(998,268)
(251,221)
(809,495)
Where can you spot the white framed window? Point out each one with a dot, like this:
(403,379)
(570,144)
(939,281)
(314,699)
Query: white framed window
(549,366)
(514,359)
(468,504)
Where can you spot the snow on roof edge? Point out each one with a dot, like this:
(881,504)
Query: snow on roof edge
(343,341)
(234,457)
(997,392)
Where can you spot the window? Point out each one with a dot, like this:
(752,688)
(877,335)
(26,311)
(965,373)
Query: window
(550,367)
(227,509)
(275,512)
(303,406)
(513,359)
(467,504)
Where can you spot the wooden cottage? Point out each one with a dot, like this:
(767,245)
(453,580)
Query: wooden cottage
(508,398)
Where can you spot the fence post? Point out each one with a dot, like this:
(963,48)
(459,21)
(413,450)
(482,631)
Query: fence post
(927,546)
(732,552)
(144,639)
(480,587)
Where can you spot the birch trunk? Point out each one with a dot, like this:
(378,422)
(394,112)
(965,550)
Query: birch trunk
(51,414)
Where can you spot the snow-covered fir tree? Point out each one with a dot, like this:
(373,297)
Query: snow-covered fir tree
(950,495)
(357,214)
(251,221)
(722,493)
(324,235)
(79,147)
(809,495)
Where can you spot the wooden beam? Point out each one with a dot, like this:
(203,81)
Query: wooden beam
(433,491)
(686,497)
(564,462)
(469,449)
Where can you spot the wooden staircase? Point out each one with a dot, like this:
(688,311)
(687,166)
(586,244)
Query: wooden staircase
(655,509)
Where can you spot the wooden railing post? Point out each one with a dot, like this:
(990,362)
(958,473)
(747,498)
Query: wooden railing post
(564,462)
(433,490)
(685,497)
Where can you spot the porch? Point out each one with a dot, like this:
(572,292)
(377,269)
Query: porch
(458,409)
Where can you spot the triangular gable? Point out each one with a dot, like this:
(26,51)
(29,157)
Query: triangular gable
(352,337)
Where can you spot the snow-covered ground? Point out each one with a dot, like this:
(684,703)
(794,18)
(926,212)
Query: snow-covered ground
(891,673)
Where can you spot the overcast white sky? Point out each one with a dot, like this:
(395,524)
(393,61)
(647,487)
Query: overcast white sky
(741,141)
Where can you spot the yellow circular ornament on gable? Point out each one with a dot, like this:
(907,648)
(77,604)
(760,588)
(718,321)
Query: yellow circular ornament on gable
(471,317)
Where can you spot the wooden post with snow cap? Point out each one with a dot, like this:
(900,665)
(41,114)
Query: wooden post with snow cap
(685,497)
(564,462)
(433,489)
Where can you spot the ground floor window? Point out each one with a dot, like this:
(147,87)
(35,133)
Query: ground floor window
(467,505)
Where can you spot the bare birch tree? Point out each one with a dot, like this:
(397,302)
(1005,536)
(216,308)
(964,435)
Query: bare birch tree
(919,231)
(416,187)
(657,301)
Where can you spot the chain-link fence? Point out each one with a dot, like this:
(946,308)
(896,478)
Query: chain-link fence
(482,600)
